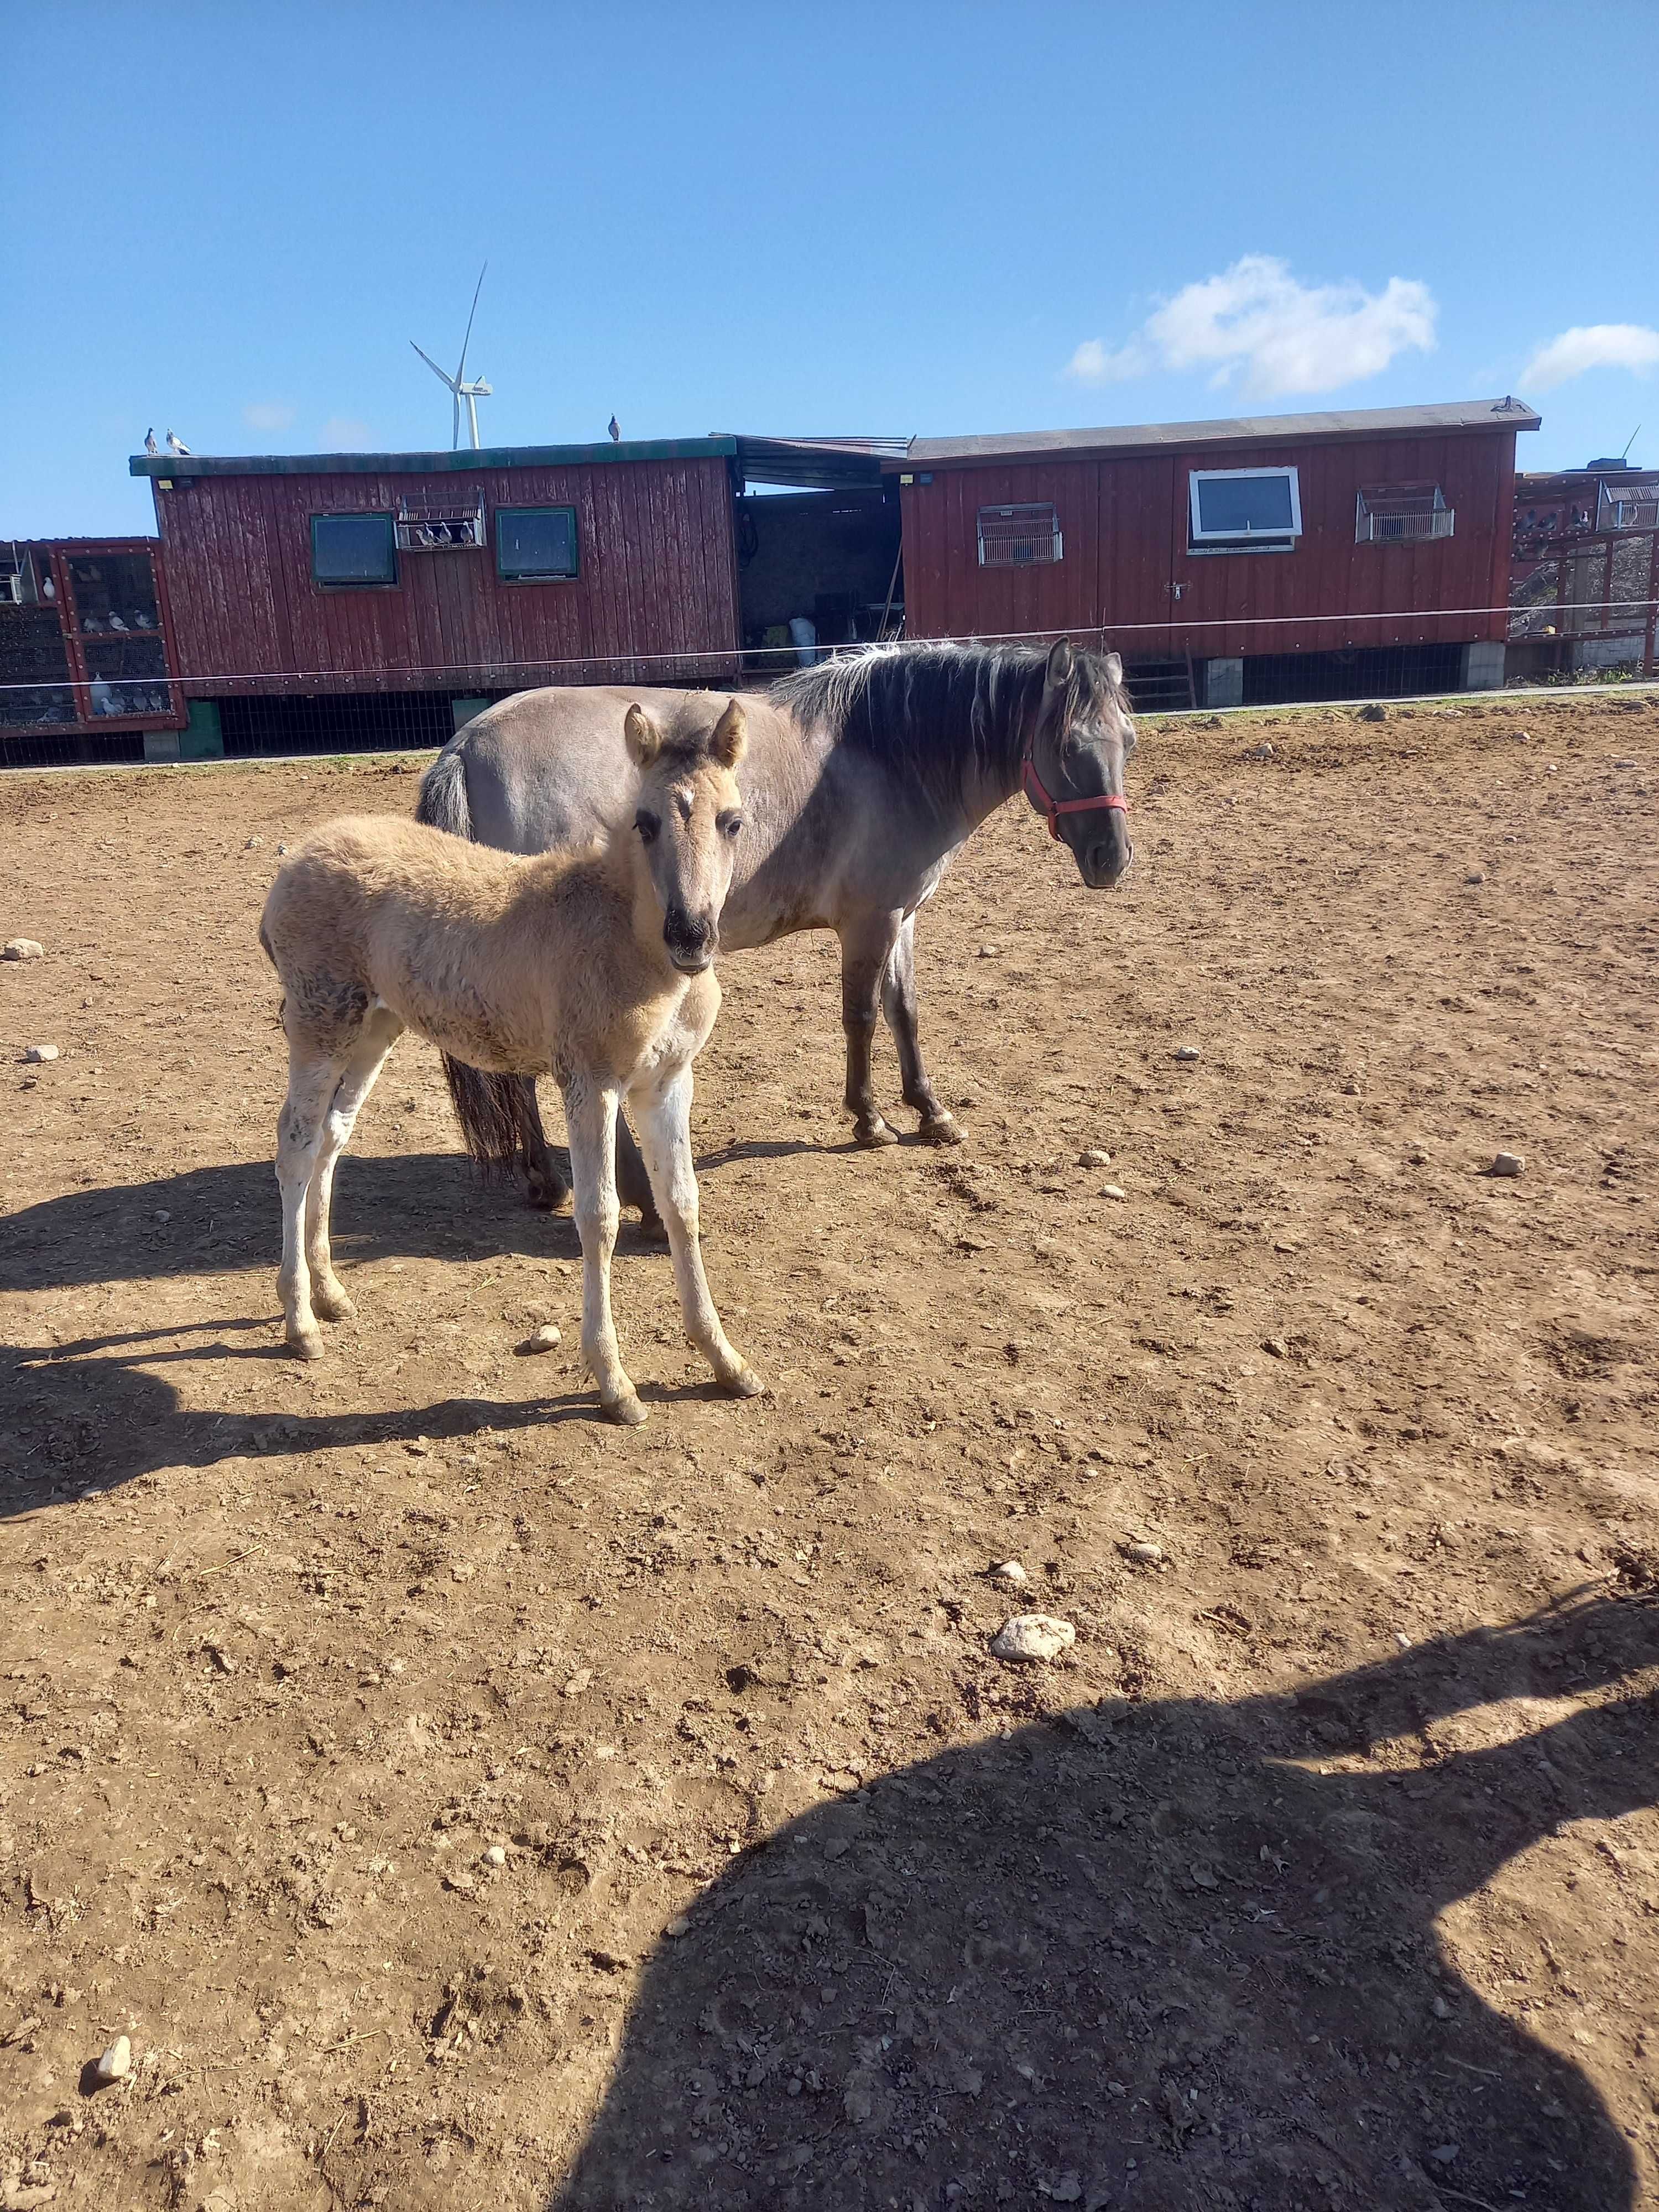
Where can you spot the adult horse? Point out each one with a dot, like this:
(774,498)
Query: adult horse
(861,778)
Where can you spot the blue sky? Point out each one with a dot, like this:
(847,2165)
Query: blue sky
(233,218)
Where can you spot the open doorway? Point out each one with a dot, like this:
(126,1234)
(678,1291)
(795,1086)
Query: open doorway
(817,569)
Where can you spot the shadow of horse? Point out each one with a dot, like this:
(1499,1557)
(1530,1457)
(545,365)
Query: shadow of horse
(214,1220)
(1169,1955)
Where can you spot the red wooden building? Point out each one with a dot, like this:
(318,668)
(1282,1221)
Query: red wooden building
(86,646)
(1271,558)
(1584,578)
(328,597)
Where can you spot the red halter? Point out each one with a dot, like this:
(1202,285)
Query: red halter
(1037,792)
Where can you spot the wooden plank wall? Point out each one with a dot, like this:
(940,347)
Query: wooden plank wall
(659,577)
(1124,523)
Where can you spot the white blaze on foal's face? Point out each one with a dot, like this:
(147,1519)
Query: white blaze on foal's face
(687,817)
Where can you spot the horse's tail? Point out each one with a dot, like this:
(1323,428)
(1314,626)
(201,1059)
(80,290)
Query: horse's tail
(484,1104)
(442,801)
(487,1108)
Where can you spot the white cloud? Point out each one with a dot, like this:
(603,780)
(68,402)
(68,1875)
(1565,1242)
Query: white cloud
(1593,345)
(1257,324)
(343,433)
(267,415)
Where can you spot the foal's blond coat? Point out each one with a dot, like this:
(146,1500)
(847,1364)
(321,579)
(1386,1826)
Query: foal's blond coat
(597,968)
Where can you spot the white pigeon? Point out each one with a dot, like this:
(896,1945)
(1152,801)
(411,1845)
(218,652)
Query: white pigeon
(175,443)
(116,623)
(150,446)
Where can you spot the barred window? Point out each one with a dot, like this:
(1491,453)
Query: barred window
(1019,536)
(1399,515)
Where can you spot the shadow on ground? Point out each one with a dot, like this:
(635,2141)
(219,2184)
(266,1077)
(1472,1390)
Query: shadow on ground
(1141,1957)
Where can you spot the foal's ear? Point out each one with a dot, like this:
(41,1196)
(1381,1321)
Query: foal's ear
(1115,668)
(1060,661)
(643,738)
(729,735)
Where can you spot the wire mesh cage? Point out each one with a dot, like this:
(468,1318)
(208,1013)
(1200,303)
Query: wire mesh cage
(1019,536)
(441,529)
(1396,514)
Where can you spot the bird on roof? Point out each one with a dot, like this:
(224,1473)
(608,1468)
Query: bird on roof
(614,428)
(175,443)
(150,446)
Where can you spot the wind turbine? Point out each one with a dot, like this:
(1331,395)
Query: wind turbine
(458,387)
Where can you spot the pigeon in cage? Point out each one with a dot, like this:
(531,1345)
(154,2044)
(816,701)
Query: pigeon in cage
(116,623)
(142,621)
(150,446)
(175,443)
(92,626)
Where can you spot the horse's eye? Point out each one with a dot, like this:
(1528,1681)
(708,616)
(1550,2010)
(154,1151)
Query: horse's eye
(730,824)
(648,825)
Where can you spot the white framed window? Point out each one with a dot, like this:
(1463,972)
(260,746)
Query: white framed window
(1244,510)
(1019,536)
(1401,514)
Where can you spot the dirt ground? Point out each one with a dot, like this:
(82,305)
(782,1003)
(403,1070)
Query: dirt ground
(459,1802)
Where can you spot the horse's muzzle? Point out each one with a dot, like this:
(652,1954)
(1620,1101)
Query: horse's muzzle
(1104,859)
(691,943)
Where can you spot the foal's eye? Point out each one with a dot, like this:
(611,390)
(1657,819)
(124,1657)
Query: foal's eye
(648,825)
(729,825)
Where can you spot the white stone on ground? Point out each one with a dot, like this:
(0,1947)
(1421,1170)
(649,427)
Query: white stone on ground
(25,948)
(1033,1637)
(1112,1190)
(546,1339)
(117,2062)
(1009,1571)
(40,1053)
(1093,1157)
(1508,1163)
(1186,1052)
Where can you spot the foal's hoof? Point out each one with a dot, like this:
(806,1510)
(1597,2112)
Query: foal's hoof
(745,1384)
(651,1226)
(627,1413)
(332,1305)
(940,1129)
(871,1131)
(308,1345)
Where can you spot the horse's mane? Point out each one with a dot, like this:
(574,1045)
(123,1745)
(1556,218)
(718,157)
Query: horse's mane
(936,712)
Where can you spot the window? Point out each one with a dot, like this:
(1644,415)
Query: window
(1244,510)
(1019,536)
(353,548)
(535,543)
(1399,515)
(1627,507)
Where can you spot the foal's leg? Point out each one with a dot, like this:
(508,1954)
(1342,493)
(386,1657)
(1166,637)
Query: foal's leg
(633,1179)
(865,948)
(379,1032)
(590,1113)
(898,1001)
(545,1185)
(312,1078)
(664,1110)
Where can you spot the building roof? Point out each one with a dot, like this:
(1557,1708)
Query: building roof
(1507,413)
(379,464)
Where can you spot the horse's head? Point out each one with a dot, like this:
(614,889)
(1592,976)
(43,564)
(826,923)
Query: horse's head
(686,818)
(1075,752)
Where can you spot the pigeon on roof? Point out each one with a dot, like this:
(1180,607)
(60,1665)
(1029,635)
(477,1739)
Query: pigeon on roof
(175,443)
(150,446)
(614,428)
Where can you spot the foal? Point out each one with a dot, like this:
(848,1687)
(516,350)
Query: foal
(597,968)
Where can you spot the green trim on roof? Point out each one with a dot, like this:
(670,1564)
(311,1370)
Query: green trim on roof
(177,466)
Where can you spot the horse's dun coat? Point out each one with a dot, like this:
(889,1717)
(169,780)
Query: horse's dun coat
(595,967)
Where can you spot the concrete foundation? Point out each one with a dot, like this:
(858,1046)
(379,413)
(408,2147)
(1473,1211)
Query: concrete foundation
(1481,666)
(1224,683)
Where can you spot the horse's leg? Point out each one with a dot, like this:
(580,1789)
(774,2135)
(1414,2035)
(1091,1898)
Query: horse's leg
(379,1032)
(545,1186)
(664,1110)
(312,1078)
(590,1113)
(899,1003)
(865,948)
(634,1184)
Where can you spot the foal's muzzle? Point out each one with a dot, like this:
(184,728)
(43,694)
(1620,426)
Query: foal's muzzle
(691,942)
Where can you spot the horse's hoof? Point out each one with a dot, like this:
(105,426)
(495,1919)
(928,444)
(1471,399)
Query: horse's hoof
(745,1384)
(874,1133)
(547,1197)
(627,1413)
(332,1305)
(308,1346)
(940,1130)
